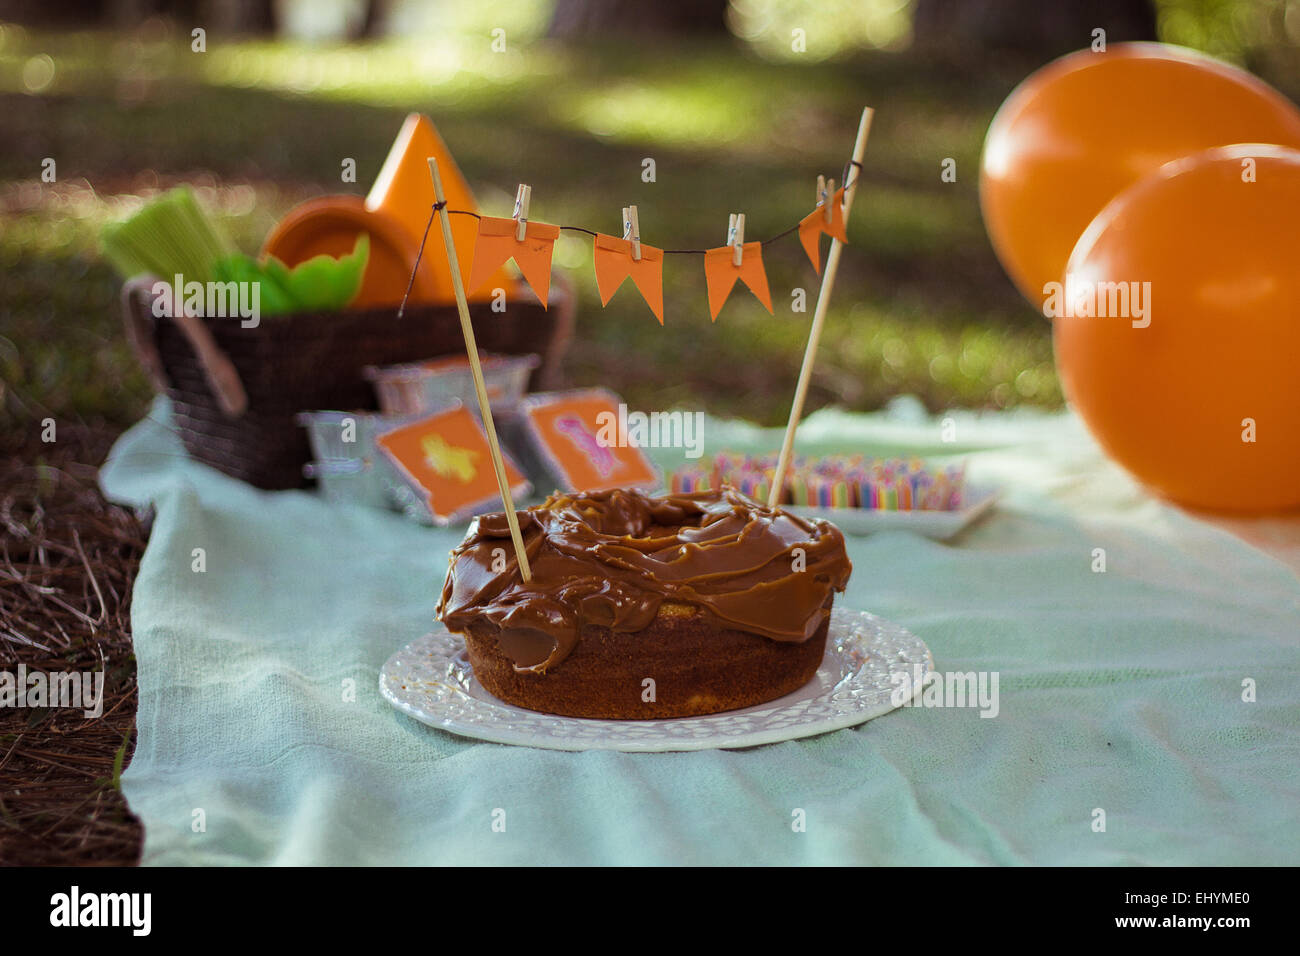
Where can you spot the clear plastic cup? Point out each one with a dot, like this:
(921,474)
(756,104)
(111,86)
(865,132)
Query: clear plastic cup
(423,387)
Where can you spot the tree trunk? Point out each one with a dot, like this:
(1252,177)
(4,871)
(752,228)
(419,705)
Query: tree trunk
(371,21)
(575,19)
(972,29)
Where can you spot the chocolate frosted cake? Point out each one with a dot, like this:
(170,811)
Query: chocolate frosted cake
(645,607)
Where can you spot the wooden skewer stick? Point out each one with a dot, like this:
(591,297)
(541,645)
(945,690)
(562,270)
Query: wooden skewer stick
(819,316)
(484,407)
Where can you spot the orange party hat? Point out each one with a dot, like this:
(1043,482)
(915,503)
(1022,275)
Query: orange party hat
(404,191)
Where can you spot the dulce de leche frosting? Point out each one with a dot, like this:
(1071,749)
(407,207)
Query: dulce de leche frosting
(611,558)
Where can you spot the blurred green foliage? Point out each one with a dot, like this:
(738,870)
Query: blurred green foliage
(921,305)
(1259,34)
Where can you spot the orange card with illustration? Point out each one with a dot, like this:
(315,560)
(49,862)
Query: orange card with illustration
(614,263)
(721,273)
(446,460)
(496,243)
(814,224)
(581,437)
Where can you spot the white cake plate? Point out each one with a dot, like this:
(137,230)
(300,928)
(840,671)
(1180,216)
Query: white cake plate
(939,525)
(868,670)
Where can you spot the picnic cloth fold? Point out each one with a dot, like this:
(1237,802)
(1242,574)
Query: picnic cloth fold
(261,620)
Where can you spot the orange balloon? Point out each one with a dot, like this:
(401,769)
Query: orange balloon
(1081,129)
(1196,390)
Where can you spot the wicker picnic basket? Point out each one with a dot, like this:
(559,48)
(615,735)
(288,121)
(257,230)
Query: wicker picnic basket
(235,391)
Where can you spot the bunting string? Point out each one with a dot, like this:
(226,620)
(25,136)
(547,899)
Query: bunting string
(419,253)
(808,230)
(667,252)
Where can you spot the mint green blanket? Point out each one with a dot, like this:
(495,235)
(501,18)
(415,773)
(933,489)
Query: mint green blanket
(263,738)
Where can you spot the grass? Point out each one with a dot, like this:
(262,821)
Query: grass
(921,305)
(67,570)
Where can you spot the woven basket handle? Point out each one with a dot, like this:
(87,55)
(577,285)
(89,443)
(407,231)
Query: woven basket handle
(220,373)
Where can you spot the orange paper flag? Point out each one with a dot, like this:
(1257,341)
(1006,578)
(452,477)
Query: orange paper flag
(496,243)
(814,224)
(614,263)
(721,273)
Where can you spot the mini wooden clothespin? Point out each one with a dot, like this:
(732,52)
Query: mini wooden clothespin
(736,237)
(523,198)
(825,189)
(632,230)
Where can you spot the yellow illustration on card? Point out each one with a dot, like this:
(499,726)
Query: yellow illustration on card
(445,459)
(449,461)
